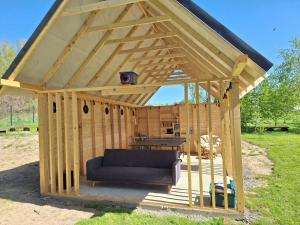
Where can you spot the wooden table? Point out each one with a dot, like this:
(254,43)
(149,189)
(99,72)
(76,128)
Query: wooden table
(148,143)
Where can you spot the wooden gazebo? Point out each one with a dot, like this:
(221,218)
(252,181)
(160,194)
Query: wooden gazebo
(74,57)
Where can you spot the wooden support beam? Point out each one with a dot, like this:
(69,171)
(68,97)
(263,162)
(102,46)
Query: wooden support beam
(59,139)
(89,7)
(142,38)
(105,37)
(147,49)
(137,90)
(51,138)
(21,85)
(188,142)
(223,141)
(239,65)
(198,146)
(211,156)
(75,142)
(147,71)
(131,23)
(236,117)
(163,64)
(67,50)
(167,56)
(67,141)
(43,144)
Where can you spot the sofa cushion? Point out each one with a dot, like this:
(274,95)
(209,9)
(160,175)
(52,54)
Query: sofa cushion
(140,158)
(133,174)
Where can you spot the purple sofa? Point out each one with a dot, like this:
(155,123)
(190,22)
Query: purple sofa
(157,167)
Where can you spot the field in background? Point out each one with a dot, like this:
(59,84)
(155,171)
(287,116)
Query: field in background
(19,121)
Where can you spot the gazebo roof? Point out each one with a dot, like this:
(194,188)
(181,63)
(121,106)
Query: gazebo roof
(80,45)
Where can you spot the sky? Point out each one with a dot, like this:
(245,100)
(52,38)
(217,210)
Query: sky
(266,25)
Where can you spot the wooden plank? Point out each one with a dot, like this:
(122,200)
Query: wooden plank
(89,7)
(223,143)
(119,116)
(126,126)
(43,144)
(21,85)
(51,138)
(141,38)
(239,65)
(75,142)
(166,56)
(96,49)
(59,138)
(112,130)
(130,23)
(36,42)
(188,144)
(93,129)
(67,50)
(80,132)
(67,142)
(198,135)
(103,126)
(236,117)
(212,168)
(164,64)
(147,49)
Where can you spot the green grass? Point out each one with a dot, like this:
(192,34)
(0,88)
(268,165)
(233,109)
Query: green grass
(121,216)
(279,201)
(19,121)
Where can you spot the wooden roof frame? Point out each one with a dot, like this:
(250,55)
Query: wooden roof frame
(176,41)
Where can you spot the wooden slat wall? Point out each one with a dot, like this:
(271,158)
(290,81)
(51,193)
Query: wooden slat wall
(148,120)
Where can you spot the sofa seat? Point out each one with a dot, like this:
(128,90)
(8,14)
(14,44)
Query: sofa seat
(134,174)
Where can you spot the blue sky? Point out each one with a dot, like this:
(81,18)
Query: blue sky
(267,25)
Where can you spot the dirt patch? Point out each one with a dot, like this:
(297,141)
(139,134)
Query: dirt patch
(256,163)
(20,201)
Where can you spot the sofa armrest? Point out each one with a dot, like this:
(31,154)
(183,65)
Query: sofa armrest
(176,171)
(93,164)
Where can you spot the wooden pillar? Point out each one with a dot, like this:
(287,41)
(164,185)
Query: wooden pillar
(188,142)
(75,142)
(43,144)
(227,138)
(198,134)
(93,133)
(67,144)
(237,156)
(59,139)
(223,142)
(211,155)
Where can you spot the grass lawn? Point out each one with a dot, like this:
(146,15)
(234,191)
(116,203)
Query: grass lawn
(279,202)
(108,216)
(19,121)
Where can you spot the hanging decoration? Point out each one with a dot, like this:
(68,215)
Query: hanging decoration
(85,108)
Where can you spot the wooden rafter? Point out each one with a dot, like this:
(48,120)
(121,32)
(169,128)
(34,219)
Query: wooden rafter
(67,50)
(164,63)
(96,49)
(239,65)
(132,23)
(167,56)
(85,8)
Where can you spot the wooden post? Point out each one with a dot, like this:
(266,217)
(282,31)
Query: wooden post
(103,126)
(236,117)
(60,154)
(228,155)
(51,145)
(211,155)
(112,133)
(198,134)
(93,129)
(43,144)
(223,143)
(126,125)
(67,142)
(188,144)
(75,142)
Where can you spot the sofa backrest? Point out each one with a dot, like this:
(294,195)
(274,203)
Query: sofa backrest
(140,158)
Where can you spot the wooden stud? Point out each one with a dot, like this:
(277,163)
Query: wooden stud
(223,143)
(188,147)
(93,129)
(59,139)
(96,49)
(75,142)
(67,142)
(51,145)
(103,126)
(43,144)
(89,7)
(112,134)
(132,23)
(198,134)
(211,155)
(119,127)
(126,126)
